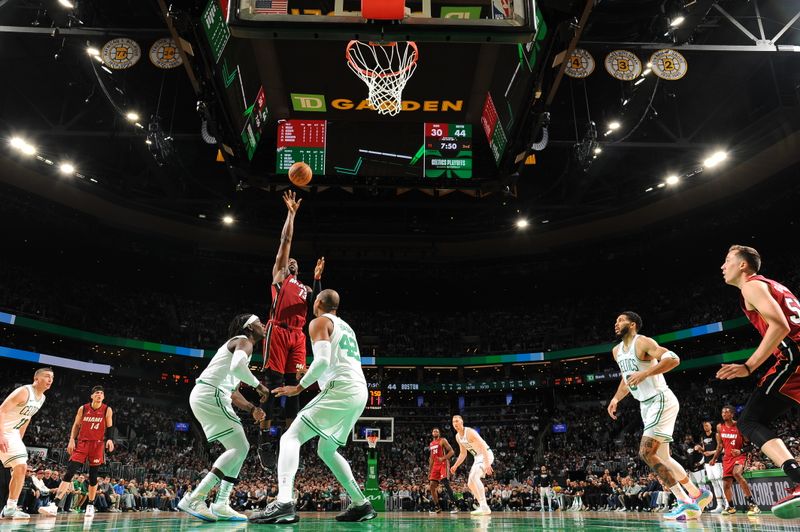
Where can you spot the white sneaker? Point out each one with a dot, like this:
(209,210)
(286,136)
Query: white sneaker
(454,511)
(481,511)
(197,508)
(14,513)
(89,511)
(224,512)
(50,509)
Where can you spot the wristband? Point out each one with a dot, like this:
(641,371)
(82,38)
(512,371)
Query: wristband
(110,433)
(749,371)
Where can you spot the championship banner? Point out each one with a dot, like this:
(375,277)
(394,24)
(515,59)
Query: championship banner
(580,64)
(669,64)
(623,65)
(768,487)
(164,54)
(121,53)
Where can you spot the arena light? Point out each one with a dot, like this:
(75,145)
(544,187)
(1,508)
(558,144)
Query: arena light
(133,117)
(672,180)
(94,52)
(649,189)
(522,223)
(66,168)
(67,4)
(598,150)
(646,72)
(677,21)
(715,158)
(227,219)
(614,125)
(22,145)
(639,81)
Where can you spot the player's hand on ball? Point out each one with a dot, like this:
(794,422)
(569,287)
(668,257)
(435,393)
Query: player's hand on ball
(612,409)
(109,446)
(71,446)
(291,203)
(636,378)
(286,391)
(259,415)
(732,371)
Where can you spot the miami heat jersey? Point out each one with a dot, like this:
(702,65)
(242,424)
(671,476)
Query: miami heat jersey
(289,307)
(731,439)
(437,450)
(93,424)
(790,306)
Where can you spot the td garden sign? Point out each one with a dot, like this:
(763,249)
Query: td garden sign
(319,104)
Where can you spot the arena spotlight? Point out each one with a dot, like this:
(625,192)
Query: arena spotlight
(598,150)
(639,81)
(66,168)
(522,223)
(131,116)
(614,125)
(646,71)
(676,21)
(94,52)
(672,180)
(714,159)
(227,219)
(67,4)
(22,145)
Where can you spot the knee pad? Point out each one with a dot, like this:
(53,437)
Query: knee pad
(756,432)
(93,475)
(72,468)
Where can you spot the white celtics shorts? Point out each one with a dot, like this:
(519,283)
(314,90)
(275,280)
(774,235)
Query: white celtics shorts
(333,413)
(698,477)
(477,465)
(714,472)
(659,414)
(214,411)
(16,453)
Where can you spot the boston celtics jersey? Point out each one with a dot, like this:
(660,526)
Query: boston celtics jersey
(629,363)
(218,372)
(345,357)
(24,412)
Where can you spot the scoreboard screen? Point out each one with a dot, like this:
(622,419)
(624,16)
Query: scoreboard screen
(448,150)
(301,140)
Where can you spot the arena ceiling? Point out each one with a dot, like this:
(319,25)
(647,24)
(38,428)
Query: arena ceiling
(741,94)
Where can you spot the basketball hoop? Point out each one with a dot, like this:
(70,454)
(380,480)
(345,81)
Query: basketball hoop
(385,68)
(372,440)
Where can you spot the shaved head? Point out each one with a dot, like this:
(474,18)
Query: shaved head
(328,300)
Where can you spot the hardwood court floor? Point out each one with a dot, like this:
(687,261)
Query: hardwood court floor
(414,522)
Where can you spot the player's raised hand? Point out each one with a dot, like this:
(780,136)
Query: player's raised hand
(732,371)
(109,446)
(319,268)
(291,202)
(612,409)
(71,446)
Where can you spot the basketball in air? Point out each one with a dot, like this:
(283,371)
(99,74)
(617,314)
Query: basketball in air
(300,174)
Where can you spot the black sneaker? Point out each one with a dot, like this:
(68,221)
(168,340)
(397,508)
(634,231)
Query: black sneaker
(354,513)
(275,513)
(266,451)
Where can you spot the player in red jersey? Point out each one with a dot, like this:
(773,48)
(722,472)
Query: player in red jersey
(730,439)
(438,466)
(775,312)
(92,429)
(285,341)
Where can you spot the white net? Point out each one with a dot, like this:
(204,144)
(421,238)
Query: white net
(385,68)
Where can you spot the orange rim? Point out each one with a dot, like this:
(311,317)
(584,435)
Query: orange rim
(371,74)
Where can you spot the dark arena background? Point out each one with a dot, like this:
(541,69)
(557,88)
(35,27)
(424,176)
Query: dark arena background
(549,165)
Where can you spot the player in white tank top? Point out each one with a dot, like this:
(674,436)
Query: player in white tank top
(15,416)
(469,441)
(642,363)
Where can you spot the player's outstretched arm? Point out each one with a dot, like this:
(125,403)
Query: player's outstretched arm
(17,397)
(281,267)
(73,432)
(667,360)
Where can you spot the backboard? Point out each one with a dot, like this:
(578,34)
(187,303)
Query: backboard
(383,426)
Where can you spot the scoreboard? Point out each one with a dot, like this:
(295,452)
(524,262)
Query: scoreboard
(448,150)
(301,140)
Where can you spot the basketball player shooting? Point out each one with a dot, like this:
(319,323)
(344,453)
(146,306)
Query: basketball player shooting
(775,312)
(643,363)
(470,441)
(93,431)
(285,342)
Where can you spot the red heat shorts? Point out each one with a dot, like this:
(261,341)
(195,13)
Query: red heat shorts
(88,450)
(285,348)
(729,463)
(438,471)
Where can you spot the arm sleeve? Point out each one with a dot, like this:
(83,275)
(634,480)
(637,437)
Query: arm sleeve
(240,370)
(322,359)
(317,288)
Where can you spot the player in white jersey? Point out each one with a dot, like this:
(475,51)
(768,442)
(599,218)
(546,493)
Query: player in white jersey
(212,400)
(470,441)
(15,416)
(331,415)
(643,363)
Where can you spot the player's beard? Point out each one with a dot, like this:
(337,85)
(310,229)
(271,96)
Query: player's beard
(621,334)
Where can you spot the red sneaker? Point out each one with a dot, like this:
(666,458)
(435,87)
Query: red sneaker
(789,506)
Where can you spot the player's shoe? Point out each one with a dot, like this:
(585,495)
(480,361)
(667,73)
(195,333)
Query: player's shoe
(276,513)
(224,512)
(267,455)
(435,510)
(730,510)
(753,509)
(717,509)
(483,510)
(89,511)
(362,512)
(50,509)
(13,513)
(789,506)
(196,507)
(684,512)
(454,510)
(704,499)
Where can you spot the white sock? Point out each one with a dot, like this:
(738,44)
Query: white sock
(224,493)
(681,495)
(205,485)
(11,504)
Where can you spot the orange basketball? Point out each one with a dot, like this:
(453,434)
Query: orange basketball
(300,174)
